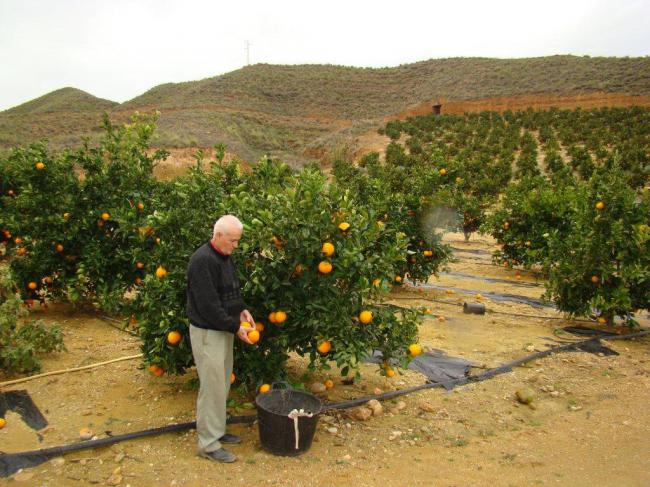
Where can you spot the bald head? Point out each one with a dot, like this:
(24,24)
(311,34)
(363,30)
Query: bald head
(226,233)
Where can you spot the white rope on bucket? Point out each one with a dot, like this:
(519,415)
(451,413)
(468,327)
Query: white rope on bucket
(295,414)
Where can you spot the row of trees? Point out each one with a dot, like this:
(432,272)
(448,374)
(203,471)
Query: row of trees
(318,257)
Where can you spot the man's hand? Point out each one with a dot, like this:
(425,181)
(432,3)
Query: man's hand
(242,334)
(246,316)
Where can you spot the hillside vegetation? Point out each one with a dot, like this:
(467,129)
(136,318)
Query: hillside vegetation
(303,112)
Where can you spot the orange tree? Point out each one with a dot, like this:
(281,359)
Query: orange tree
(307,277)
(74,214)
(401,196)
(602,263)
(531,211)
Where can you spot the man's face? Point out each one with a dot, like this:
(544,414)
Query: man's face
(227,242)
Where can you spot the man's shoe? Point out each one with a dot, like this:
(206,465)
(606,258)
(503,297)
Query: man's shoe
(229,439)
(219,455)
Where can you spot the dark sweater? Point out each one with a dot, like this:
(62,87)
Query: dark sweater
(213,292)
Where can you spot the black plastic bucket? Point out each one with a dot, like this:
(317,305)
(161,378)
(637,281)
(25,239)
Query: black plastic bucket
(277,430)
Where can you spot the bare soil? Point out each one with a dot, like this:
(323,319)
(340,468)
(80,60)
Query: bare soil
(588,425)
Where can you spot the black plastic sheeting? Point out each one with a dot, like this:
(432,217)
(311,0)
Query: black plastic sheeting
(21,403)
(435,365)
(595,346)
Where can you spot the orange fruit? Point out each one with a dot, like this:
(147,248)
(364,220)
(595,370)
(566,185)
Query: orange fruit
(415,349)
(428,311)
(3,423)
(329,383)
(458,179)
(232,378)
(506,225)
(595,279)
(272,317)
(246,324)
(602,320)
(297,269)
(100,223)
(390,372)
(259,326)
(324,267)
(264,388)
(47,280)
(398,278)
(443,171)
(18,240)
(138,281)
(40,166)
(254,336)
(156,370)
(600,205)
(277,242)
(140,206)
(66,216)
(32,285)
(344,226)
(376,282)
(441,318)
(280,317)
(365,317)
(428,253)
(157,240)
(324,347)
(21,251)
(328,249)
(173,337)
(59,248)
(105,216)
(139,265)
(161,272)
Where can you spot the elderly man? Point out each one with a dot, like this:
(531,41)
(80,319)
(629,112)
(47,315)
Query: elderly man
(216,310)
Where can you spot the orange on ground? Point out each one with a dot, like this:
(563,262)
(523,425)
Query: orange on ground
(161,272)
(329,383)
(32,285)
(324,267)
(328,249)
(415,349)
(173,337)
(390,372)
(365,317)
(264,388)
(3,423)
(324,347)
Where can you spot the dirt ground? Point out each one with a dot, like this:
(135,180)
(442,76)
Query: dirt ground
(589,425)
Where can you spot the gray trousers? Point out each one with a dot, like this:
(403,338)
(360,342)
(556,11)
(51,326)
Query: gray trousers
(212,352)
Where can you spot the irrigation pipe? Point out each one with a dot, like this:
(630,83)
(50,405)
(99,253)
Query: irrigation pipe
(521,315)
(65,371)
(12,462)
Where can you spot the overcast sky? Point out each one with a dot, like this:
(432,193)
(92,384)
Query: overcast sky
(118,49)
